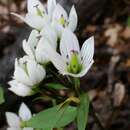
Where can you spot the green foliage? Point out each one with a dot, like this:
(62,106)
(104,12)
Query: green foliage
(2,100)
(128,21)
(55,86)
(53,117)
(83,110)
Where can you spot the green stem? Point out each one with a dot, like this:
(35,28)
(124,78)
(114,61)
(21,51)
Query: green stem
(77,85)
(54,102)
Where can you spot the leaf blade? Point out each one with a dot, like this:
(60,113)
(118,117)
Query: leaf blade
(83,110)
(51,118)
(55,86)
(2,100)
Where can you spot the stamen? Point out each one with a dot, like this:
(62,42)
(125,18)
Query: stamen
(39,37)
(25,62)
(67,63)
(82,58)
(74,51)
(39,12)
(62,20)
(35,47)
(67,56)
(74,66)
(36,6)
(74,63)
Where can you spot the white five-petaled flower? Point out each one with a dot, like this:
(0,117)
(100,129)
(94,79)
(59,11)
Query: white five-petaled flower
(72,61)
(27,75)
(37,16)
(61,20)
(34,47)
(16,122)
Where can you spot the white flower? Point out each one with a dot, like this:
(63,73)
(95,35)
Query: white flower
(28,72)
(37,16)
(34,47)
(61,20)
(72,61)
(16,122)
(27,75)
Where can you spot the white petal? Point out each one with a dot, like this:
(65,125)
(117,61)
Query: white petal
(32,41)
(41,55)
(19,89)
(23,60)
(49,33)
(31,6)
(21,76)
(36,72)
(73,19)
(69,43)
(27,49)
(32,20)
(59,12)
(87,51)
(82,73)
(29,46)
(36,22)
(51,4)
(12,119)
(55,58)
(24,112)
(58,28)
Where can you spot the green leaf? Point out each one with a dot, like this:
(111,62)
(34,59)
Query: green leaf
(2,100)
(128,21)
(55,86)
(68,114)
(53,117)
(83,110)
(45,129)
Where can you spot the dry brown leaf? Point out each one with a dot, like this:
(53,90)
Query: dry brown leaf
(13,7)
(5,29)
(92,94)
(126,33)
(112,33)
(119,94)
(3,10)
(128,63)
(91,28)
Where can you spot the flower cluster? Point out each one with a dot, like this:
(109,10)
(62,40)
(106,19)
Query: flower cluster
(52,39)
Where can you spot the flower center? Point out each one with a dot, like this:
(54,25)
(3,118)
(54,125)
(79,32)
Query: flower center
(39,12)
(74,66)
(22,124)
(62,21)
